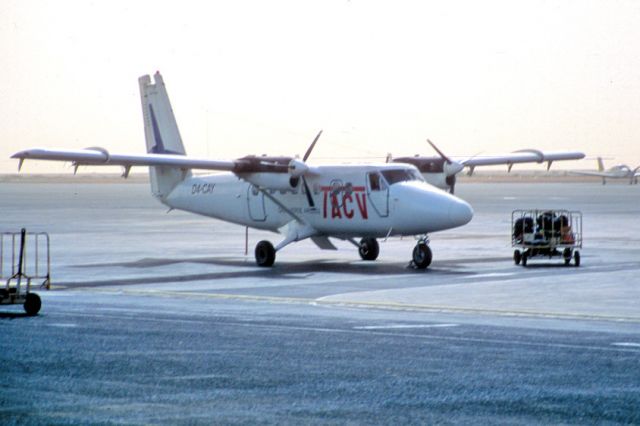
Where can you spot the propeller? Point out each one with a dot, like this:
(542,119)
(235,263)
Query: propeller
(313,144)
(297,169)
(451,168)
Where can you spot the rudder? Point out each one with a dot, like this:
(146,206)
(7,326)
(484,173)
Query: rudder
(161,133)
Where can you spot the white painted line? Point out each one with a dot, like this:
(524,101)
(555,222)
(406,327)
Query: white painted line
(626,344)
(491,275)
(63,325)
(397,326)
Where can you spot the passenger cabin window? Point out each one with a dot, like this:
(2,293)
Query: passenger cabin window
(401,175)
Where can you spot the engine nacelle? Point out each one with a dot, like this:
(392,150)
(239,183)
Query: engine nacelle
(275,181)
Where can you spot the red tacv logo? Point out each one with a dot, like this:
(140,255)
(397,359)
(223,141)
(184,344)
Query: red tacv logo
(344,205)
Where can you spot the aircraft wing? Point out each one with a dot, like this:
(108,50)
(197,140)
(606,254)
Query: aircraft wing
(101,157)
(523,156)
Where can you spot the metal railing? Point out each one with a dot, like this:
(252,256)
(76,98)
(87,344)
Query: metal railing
(25,256)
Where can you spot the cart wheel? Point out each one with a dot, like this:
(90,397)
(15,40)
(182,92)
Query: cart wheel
(576,258)
(524,258)
(566,254)
(32,304)
(517,256)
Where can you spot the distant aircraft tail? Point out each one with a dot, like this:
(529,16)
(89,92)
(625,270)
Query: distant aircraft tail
(161,134)
(600,164)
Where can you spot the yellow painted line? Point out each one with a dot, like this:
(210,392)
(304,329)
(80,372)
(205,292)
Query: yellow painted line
(378,305)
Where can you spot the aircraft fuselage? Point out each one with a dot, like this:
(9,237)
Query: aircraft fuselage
(346,202)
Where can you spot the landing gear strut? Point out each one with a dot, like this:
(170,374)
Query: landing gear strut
(368,249)
(265,254)
(422,255)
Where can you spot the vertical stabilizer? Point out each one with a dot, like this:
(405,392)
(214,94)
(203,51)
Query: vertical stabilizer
(161,134)
(600,164)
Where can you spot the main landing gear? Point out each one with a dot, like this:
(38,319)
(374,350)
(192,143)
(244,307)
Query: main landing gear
(368,249)
(265,254)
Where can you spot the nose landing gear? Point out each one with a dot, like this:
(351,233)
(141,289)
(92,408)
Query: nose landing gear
(422,255)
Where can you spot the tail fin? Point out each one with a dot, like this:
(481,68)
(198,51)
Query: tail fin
(600,164)
(161,134)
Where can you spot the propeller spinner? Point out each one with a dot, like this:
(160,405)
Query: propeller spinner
(450,167)
(298,168)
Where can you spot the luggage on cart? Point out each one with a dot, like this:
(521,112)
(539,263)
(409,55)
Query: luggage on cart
(546,233)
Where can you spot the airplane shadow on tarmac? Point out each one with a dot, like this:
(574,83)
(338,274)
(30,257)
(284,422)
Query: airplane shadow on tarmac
(13,315)
(281,270)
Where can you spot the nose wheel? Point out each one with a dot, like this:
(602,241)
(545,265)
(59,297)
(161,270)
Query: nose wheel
(421,256)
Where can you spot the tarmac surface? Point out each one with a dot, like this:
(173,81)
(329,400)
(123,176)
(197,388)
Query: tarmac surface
(158,318)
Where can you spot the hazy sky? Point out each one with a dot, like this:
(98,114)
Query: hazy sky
(254,77)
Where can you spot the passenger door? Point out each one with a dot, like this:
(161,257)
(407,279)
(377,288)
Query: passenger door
(255,204)
(378,192)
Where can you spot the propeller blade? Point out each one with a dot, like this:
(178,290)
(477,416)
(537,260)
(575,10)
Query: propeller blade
(306,189)
(451,168)
(451,181)
(447,159)
(308,153)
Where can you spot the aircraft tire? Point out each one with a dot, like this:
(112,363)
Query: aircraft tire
(517,257)
(422,256)
(265,254)
(524,258)
(576,258)
(369,249)
(32,304)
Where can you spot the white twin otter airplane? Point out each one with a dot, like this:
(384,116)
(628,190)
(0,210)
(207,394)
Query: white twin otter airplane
(282,194)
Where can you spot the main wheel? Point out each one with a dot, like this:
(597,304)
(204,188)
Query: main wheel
(566,254)
(369,249)
(524,258)
(576,258)
(517,256)
(32,304)
(265,254)
(422,256)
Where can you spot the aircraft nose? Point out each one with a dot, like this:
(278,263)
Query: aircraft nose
(460,212)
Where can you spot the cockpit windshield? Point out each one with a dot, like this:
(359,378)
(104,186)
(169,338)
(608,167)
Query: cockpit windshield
(401,175)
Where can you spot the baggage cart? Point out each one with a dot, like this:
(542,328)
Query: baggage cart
(24,263)
(547,234)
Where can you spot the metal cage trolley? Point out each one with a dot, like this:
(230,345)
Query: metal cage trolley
(546,233)
(24,262)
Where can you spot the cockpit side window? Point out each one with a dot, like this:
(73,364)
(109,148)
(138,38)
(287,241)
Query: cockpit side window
(401,175)
(374,181)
